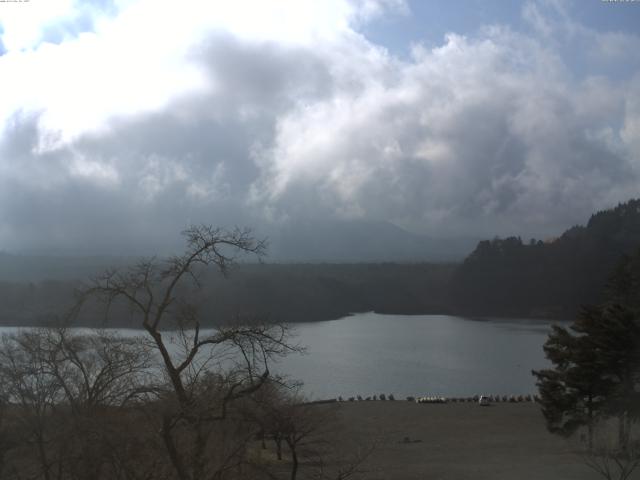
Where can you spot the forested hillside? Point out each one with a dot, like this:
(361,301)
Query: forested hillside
(551,278)
(501,277)
(291,293)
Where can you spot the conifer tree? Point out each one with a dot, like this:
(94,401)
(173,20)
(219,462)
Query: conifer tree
(573,392)
(596,362)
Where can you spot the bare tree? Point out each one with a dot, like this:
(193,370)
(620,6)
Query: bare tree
(170,403)
(62,388)
(93,370)
(34,396)
(307,436)
(301,427)
(6,440)
(207,371)
(609,457)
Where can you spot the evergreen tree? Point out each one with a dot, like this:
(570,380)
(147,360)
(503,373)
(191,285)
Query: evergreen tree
(573,392)
(596,363)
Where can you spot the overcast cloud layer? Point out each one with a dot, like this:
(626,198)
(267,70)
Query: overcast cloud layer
(121,122)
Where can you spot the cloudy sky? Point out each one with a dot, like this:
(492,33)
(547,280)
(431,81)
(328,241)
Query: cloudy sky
(123,121)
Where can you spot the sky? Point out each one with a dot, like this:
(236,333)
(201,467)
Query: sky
(124,121)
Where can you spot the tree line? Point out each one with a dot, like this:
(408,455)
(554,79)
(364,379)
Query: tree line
(287,292)
(552,278)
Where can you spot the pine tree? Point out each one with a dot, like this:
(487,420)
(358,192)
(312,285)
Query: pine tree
(573,392)
(596,363)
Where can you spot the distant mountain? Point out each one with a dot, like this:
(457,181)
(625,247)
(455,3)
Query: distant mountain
(550,279)
(501,277)
(333,269)
(360,241)
(297,242)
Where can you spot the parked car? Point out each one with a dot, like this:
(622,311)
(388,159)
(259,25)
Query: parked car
(484,401)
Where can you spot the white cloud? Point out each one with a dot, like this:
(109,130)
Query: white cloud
(142,58)
(23,23)
(615,47)
(168,112)
(489,127)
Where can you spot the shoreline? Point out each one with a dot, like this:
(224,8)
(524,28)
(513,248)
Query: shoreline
(425,399)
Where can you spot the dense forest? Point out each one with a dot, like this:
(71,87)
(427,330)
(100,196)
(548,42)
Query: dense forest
(554,278)
(501,277)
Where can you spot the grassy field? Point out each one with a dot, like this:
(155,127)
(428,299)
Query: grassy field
(505,441)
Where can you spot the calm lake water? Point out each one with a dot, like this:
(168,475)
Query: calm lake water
(369,354)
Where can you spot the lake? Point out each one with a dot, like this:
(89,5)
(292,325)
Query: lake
(369,354)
